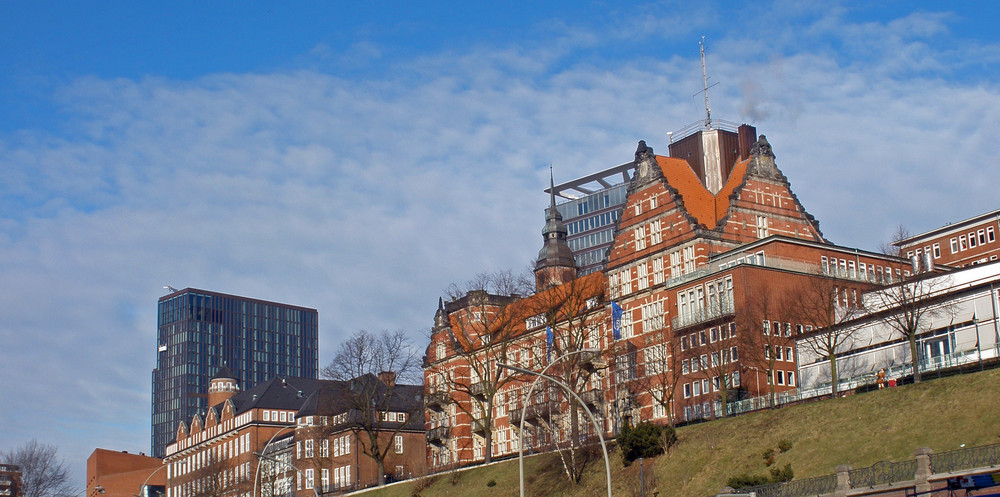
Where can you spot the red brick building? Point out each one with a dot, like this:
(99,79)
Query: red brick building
(311,438)
(10,480)
(698,306)
(120,474)
(972,241)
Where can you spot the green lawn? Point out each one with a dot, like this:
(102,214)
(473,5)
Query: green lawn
(858,430)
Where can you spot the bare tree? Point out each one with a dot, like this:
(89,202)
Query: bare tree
(276,469)
(480,334)
(659,377)
(573,314)
(909,307)
(367,393)
(43,473)
(890,247)
(830,306)
(759,328)
(218,477)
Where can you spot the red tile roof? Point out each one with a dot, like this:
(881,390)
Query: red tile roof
(706,208)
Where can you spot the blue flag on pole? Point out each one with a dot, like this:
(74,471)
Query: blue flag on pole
(548,340)
(616,321)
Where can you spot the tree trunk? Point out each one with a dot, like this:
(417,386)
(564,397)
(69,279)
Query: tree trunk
(834,379)
(381,471)
(915,356)
(488,443)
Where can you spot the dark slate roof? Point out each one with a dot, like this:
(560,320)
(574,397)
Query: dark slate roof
(224,373)
(276,393)
(306,396)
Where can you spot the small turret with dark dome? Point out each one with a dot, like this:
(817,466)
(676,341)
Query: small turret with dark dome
(222,386)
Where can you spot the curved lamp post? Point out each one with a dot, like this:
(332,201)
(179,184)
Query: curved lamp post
(141,487)
(539,375)
(261,455)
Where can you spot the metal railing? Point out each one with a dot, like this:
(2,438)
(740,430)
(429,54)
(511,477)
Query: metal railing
(967,458)
(931,364)
(883,473)
(714,311)
(796,488)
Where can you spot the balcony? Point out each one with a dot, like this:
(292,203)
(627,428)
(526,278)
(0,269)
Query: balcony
(716,310)
(593,398)
(437,436)
(437,400)
(535,413)
(478,390)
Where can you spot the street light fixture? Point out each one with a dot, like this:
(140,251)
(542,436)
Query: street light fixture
(260,455)
(143,486)
(539,375)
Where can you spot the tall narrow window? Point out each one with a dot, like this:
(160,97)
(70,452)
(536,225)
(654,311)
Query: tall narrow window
(761,226)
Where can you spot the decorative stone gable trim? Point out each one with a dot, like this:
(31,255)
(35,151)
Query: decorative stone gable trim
(647,171)
(762,161)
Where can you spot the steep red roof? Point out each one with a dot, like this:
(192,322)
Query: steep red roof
(698,201)
(735,179)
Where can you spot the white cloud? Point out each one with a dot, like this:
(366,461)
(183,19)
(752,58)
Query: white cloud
(365,198)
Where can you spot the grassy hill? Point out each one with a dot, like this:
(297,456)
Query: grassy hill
(858,430)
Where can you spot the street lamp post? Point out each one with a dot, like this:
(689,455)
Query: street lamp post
(146,481)
(260,455)
(524,407)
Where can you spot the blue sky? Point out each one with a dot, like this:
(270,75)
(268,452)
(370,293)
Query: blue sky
(357,157)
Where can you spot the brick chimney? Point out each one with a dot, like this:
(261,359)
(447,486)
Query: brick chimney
(387,377)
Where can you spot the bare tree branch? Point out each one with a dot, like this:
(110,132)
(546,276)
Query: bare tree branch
(43,474)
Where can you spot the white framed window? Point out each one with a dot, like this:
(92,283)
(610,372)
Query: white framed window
(655,236)
(627,323)
(640,238)
(324,480)
(954,245)
(309,478)
(761,226)
(788,354)
(626,281)
(642,276)
(309,448)
(658,271)
(790,376)
(990,234)
(398,444)
(687,390)
(972,240)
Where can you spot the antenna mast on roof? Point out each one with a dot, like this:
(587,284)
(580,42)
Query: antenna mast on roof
(704,77)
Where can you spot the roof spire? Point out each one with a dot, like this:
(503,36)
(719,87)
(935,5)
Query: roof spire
(552,189)
(555,263)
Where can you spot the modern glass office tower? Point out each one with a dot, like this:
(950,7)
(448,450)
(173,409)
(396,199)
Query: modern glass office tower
(593,205)
(200,331)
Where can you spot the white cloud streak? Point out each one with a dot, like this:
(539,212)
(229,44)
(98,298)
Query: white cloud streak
(365,198)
